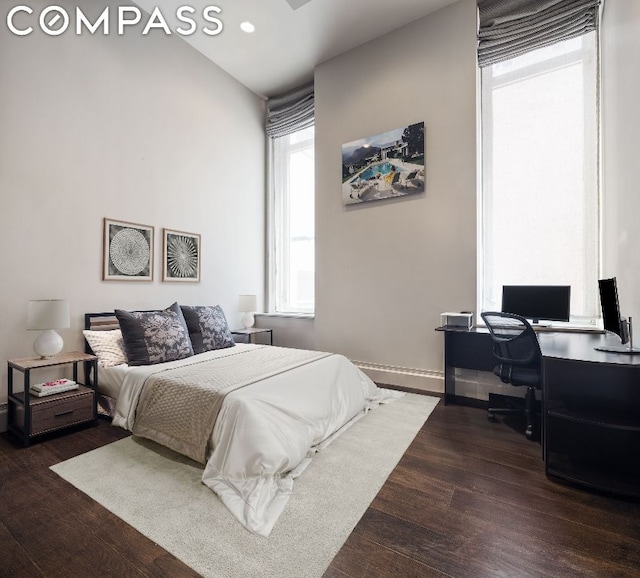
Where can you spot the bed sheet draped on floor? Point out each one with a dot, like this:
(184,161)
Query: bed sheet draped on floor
(266,431)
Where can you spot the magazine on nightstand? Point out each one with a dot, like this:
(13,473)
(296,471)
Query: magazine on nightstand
(53,386)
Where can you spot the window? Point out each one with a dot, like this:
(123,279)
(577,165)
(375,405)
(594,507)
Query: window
(539,221)
(293,252)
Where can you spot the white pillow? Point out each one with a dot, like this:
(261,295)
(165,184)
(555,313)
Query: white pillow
(108,346)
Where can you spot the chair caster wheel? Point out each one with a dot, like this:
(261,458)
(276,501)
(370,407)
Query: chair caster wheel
(491,417)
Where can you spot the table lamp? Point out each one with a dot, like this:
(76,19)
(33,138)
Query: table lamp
(48,315)
(247,304)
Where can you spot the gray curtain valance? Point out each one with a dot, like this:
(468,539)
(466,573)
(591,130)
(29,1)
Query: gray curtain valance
(290,112)
(509,28)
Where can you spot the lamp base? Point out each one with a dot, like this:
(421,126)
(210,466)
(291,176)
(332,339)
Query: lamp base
(48,344)
(248,320)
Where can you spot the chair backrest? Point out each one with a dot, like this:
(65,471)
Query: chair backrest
(514,340)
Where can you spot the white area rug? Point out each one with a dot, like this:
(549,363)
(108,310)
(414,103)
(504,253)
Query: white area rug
(160,494)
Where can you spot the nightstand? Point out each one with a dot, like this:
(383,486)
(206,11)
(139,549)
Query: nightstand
(253,331)
(31,416)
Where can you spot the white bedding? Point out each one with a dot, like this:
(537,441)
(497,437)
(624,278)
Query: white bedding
(110,379)
(266,432)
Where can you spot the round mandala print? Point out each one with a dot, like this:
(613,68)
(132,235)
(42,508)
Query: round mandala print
(129,252)
(182,257)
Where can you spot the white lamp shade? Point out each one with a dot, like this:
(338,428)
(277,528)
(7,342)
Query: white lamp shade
(247,303)
(48,314)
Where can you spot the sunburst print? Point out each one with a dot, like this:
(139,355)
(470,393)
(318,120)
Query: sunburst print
(182,256)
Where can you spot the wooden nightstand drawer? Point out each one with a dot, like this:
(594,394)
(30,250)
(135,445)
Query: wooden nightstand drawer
(50,416)
(58,412)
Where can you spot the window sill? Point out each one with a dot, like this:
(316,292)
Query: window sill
(310,316)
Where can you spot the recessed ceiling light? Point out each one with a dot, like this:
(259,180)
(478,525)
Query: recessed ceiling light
(247,27)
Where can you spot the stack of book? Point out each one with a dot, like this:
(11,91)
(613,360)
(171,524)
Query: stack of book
(51,387)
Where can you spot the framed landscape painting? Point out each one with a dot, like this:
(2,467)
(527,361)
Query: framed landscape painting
(180,256)
(384,166)
(127,251)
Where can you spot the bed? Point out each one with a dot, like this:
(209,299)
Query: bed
(253,415)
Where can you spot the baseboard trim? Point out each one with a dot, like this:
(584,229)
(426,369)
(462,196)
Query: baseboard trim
(405,377)
(3,417)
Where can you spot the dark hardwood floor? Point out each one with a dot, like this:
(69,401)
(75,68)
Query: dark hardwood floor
(469,498)
(48,528)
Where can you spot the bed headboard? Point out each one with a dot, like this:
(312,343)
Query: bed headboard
(105,321)
(101,321)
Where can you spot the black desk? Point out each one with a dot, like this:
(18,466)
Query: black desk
(590,404)
(464,349)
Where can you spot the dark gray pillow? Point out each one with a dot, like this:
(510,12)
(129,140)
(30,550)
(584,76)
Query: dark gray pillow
(154,336)
(208,328)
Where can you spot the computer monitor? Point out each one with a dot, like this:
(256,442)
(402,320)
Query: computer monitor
(611,317)
(537,302)
(612,320)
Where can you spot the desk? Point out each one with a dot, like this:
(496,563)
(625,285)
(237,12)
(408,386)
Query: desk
(590,404)
(464,349)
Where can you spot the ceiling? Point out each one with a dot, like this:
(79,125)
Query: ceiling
(291,36)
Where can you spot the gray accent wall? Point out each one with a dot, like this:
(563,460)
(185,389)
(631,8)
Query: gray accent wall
(621,152)
(385,270)
(139,129)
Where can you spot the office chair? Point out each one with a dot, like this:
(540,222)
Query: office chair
(516,347)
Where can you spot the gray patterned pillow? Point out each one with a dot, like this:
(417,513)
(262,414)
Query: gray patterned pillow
(208,328)
(154,336)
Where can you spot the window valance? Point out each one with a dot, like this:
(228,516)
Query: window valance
(509,28)
(290,112)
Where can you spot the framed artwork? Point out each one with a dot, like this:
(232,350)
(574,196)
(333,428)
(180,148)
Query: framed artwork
(384,166)
(180,256)
(127,251)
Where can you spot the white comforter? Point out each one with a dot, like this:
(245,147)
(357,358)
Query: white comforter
(267,432)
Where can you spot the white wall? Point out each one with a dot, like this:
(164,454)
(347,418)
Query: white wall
(385,270)
(621,151)
(141,129)
(148,130)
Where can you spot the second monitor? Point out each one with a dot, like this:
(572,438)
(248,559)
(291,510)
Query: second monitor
(537,302)
(613,321)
